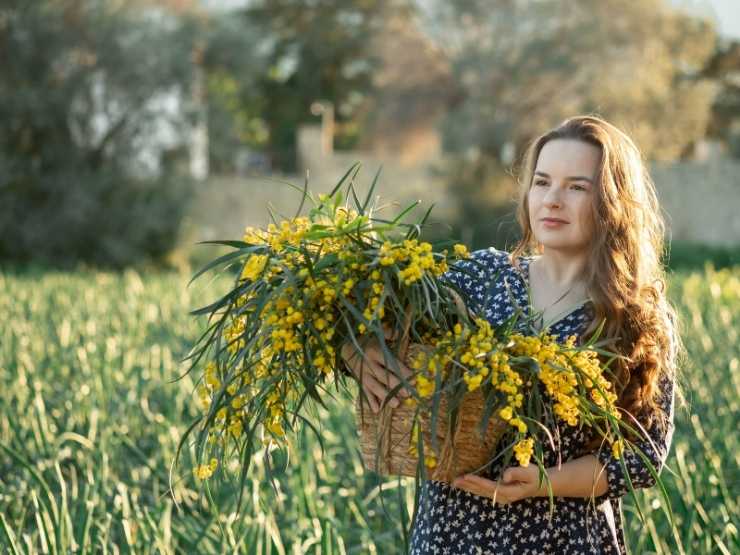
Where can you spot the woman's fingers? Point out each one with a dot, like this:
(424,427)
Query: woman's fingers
(376,391)
(393,381)
(372,365)
(384,371)
(357,361)
(369,386)
(372,400)
(375,379)
(351,355)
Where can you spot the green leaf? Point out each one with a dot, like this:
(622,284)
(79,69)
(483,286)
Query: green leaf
(303,197)
(354,168)
(370,191)
(223,259)
(9,536)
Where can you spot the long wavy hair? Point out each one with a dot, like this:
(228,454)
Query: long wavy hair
(624,276)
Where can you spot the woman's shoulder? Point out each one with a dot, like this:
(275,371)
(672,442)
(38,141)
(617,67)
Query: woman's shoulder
(489,258)
(487,272)
(484,264)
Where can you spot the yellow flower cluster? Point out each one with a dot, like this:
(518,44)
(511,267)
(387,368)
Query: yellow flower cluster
(413,258)
(290,233)
(254,267)
(427,363)
(523,451)
(205,471)
(430,459)
(601,390)
(618,448)
(276,407)
(211,383)
(570,376)
(474,349)
(478,350)
(230,417)
(255,236)
(290,319)
(283,317)
(559,379)
(208,390)
(233,334)
(461,251)
(321,314)
(374,310)
(561,371)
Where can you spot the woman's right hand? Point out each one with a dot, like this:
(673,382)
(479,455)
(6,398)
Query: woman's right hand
(376,377)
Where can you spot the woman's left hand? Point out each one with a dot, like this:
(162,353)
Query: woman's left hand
(518,483)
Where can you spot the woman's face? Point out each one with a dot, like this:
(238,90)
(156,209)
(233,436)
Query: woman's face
(561,194)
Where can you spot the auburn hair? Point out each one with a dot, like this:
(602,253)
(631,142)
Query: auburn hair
(624,276)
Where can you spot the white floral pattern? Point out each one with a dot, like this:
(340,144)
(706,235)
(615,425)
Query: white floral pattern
(452,521)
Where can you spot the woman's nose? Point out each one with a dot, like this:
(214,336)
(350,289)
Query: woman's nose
(552,198)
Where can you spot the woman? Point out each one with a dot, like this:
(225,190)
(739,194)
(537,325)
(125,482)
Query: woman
(589,212)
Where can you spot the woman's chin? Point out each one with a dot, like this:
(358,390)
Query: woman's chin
(561,245)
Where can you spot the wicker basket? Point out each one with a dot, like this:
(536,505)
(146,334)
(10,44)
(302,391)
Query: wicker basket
(468,453)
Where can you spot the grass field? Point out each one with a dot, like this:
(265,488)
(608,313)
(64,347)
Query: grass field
(90,418)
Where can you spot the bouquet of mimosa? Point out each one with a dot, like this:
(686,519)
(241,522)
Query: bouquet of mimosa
(306,286)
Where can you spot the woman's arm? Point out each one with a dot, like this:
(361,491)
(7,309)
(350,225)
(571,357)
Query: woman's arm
(600,475)
(581,477)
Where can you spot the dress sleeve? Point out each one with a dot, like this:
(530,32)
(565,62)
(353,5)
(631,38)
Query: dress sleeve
(471,276)
(655,448)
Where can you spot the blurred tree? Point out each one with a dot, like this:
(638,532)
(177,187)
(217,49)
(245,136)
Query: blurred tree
(413,88)
(316,51)
(84,84)
(234,63)
(528,64)
(724,67)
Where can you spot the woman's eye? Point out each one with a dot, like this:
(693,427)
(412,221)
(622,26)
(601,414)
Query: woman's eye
(540,182)
(579,187)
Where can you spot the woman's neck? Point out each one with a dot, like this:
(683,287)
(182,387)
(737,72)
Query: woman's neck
(560,269)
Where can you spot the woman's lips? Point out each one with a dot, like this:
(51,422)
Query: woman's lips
(553,222)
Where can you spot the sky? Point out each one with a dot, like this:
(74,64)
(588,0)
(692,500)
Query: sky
(725,12)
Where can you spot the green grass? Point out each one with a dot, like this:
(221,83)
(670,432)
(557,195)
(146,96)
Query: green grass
(90,417)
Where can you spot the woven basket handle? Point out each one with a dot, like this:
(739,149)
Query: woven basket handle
(405,337)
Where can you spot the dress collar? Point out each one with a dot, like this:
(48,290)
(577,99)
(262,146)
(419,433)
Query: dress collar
(523,273)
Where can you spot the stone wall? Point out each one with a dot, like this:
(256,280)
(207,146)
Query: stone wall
(701,199)
(228,204)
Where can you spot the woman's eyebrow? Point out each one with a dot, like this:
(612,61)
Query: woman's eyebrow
(571,178)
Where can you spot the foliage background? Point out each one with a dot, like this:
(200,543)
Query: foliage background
(107,108)
(100,116)
(90,418)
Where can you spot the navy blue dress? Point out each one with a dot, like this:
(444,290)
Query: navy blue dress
(452,521)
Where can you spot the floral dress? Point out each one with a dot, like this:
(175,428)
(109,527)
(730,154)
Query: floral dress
(452,521)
